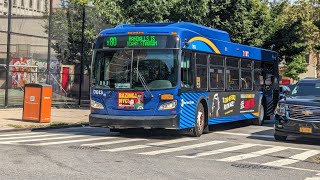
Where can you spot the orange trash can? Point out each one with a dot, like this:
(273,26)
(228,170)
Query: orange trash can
(37,103)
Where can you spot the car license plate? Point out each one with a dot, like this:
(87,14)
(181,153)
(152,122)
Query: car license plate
(305,130)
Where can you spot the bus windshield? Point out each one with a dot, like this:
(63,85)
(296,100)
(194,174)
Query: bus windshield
(120,69)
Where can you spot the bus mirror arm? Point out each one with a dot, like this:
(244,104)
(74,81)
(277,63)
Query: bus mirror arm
(186,44)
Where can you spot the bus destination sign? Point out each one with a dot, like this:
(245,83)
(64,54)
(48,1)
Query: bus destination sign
(138,41)
(132,41)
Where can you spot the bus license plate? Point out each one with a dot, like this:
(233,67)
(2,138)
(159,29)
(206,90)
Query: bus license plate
(305,130)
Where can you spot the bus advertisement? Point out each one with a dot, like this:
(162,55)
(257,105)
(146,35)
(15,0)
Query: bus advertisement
(179,76)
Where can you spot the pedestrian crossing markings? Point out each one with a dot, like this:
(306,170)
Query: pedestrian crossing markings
(163,146)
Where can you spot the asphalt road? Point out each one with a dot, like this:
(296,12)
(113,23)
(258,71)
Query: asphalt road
(232,151)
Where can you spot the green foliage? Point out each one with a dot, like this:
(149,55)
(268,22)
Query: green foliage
(66,32)
(292,30)
(296,67)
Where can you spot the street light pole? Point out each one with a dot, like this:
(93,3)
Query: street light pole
(49,44)
(8,54)
(82,53)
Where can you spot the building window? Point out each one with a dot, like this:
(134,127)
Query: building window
(31,4)
(22,3)
(38,5)
(14,2)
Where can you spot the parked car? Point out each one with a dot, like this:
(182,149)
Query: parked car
(283,91)
(299,113)
(291,86)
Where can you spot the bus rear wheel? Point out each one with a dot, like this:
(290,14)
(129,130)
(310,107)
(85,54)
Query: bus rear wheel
(199,121)
(260,120)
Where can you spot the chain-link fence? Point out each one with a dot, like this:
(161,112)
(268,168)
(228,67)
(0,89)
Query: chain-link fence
(29,57)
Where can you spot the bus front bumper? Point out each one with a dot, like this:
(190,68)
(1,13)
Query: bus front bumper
(121,122)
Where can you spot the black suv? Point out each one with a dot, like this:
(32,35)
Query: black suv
(299,112)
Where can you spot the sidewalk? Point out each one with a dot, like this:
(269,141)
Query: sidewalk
(10,119)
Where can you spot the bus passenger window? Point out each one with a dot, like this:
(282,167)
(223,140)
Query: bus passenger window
(232,73)
(257,76)
(246,80)
(216,72)
(202,71)
(246,74)
(232,79)
(216,78)
(186,71)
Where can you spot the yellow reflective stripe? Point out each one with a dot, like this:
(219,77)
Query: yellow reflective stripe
(207,41)
(256,114)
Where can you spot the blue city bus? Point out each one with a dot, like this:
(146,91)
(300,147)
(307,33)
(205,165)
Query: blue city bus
(179,76)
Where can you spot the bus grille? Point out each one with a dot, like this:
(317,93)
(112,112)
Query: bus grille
(307,113)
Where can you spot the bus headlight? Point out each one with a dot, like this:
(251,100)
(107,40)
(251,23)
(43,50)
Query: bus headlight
(96,105)
(281,109)
(169,105)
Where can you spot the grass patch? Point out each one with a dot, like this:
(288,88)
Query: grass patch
(55,124)
(17,126)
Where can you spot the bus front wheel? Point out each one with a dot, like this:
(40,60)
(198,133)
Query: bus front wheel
(199,121)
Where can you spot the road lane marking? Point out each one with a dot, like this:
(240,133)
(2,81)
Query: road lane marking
(29,137)
(246,135)
(71,141)
(182,148)
(20,134)
(219,151)
(162,143)
(293,159)
(42,139)
(113,142)
(253,154)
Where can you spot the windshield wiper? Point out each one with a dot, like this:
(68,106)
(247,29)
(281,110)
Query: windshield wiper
(143,82)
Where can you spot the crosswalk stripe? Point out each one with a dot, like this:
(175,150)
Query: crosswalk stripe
(42,139)
(253,154)
(293,159)
(172,141)
(20,134)
(219,151)
(29,137)
(113,142)
(127,148)
(182,148)
(71,141)
(246,135)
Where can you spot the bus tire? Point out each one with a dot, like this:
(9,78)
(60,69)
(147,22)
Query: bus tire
(260,120)
(199,121)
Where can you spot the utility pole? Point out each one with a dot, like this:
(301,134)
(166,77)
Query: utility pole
(8,54)
(49,44)
(82,52)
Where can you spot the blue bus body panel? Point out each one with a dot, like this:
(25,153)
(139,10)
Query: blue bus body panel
(188,31)
(227,119)
(188,107)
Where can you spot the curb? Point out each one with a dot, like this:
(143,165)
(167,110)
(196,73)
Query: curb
(44,128)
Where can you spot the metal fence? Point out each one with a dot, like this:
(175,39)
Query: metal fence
(25,56)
